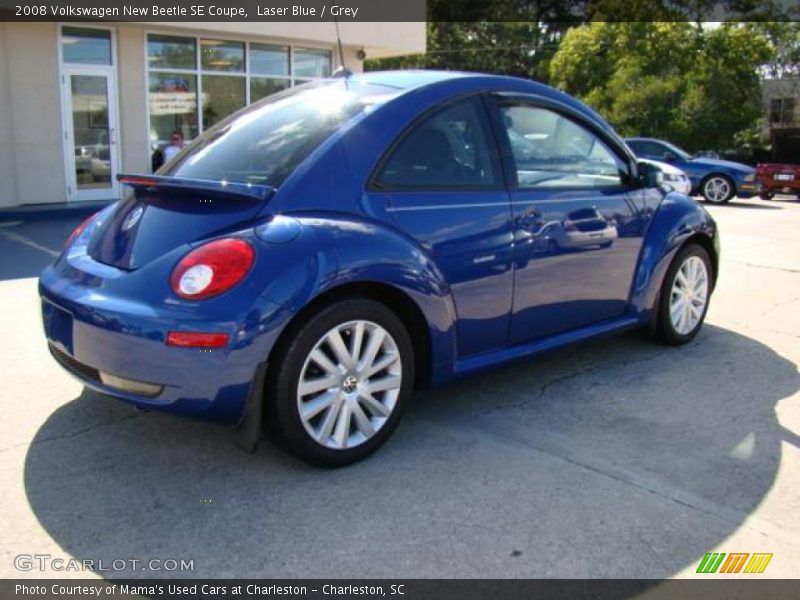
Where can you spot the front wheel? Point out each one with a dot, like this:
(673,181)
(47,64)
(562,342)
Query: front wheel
(341,382)
(684,296)
(717,189)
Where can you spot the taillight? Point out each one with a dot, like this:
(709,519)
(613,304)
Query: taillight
(79,230)
(212,269)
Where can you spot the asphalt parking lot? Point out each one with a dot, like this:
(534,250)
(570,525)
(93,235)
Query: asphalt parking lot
(620,458)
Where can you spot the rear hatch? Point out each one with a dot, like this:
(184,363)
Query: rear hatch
(165,212)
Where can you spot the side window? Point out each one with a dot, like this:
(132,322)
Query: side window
(553,152)
(638,148)
(649,150)
(659,151)
(448,149)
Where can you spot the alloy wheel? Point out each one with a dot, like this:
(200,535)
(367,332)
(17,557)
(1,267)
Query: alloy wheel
(717,189)
(689,295)
(349,384)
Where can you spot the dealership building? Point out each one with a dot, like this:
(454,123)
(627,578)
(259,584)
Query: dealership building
(80,103)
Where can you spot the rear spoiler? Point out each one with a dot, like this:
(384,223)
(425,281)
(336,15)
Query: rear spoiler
(253,191)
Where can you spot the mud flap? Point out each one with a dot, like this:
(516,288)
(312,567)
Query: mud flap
(248,431)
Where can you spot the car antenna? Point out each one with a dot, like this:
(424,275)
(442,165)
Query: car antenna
(342,71)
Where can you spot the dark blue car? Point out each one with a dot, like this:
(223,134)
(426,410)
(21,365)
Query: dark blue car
(716,180)
(307,263)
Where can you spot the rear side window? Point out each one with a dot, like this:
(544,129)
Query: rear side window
(265,142)
(449,149)
(552,151)
(648,149)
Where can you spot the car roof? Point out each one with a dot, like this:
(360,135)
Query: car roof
(407,80)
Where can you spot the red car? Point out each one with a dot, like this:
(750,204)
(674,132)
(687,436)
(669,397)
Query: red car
(777,178)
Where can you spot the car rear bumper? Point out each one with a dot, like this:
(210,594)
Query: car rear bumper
(780,184)
(117,346)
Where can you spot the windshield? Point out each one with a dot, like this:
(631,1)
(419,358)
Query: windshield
(263,143)
(682,154)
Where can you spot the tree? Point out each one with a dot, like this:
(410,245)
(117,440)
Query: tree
(494,36)
(696,86)
(784,36)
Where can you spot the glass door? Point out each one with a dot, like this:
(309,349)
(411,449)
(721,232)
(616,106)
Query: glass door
(91,128)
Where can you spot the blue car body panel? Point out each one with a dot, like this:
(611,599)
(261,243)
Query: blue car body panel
(471,261)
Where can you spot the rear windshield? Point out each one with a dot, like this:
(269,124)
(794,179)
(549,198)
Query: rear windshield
(266,141)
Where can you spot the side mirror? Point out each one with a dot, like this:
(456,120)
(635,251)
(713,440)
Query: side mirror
(650,175)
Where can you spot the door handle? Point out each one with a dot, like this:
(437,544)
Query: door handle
(478,260)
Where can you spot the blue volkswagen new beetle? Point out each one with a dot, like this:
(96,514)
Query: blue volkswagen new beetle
(308,262)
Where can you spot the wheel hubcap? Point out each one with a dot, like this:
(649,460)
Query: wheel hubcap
(349,384)
(717,189)
(689,295)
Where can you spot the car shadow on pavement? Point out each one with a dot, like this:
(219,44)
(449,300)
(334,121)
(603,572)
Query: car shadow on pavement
(736,203)
(619,458)
(26,248)
(785,199)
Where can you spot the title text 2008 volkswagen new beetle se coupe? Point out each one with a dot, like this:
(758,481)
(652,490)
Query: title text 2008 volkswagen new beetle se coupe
(312,259)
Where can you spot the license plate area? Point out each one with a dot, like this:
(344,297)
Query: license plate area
(784,177)
(58,326)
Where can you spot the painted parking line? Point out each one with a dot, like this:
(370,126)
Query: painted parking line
(21,239)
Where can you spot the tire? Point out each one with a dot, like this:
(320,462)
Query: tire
(767,195)
(321,439)
(672,330)
(717,189)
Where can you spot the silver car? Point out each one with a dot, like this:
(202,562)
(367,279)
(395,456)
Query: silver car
(672,178)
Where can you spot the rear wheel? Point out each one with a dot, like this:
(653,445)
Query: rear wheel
(717,189)
(341,383)
(684,295)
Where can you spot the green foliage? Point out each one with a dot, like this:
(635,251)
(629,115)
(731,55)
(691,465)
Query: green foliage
(696,86)
(784,36)
(649,66)
(522,49)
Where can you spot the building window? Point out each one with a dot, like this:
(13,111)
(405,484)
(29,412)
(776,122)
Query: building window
(86,46)
(196,82)
(173,106)
(269,70)
(170,52)
(782,110)
(312,64)
(216,55)
(222,95)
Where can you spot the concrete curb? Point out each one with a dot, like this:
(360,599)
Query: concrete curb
(41,212)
